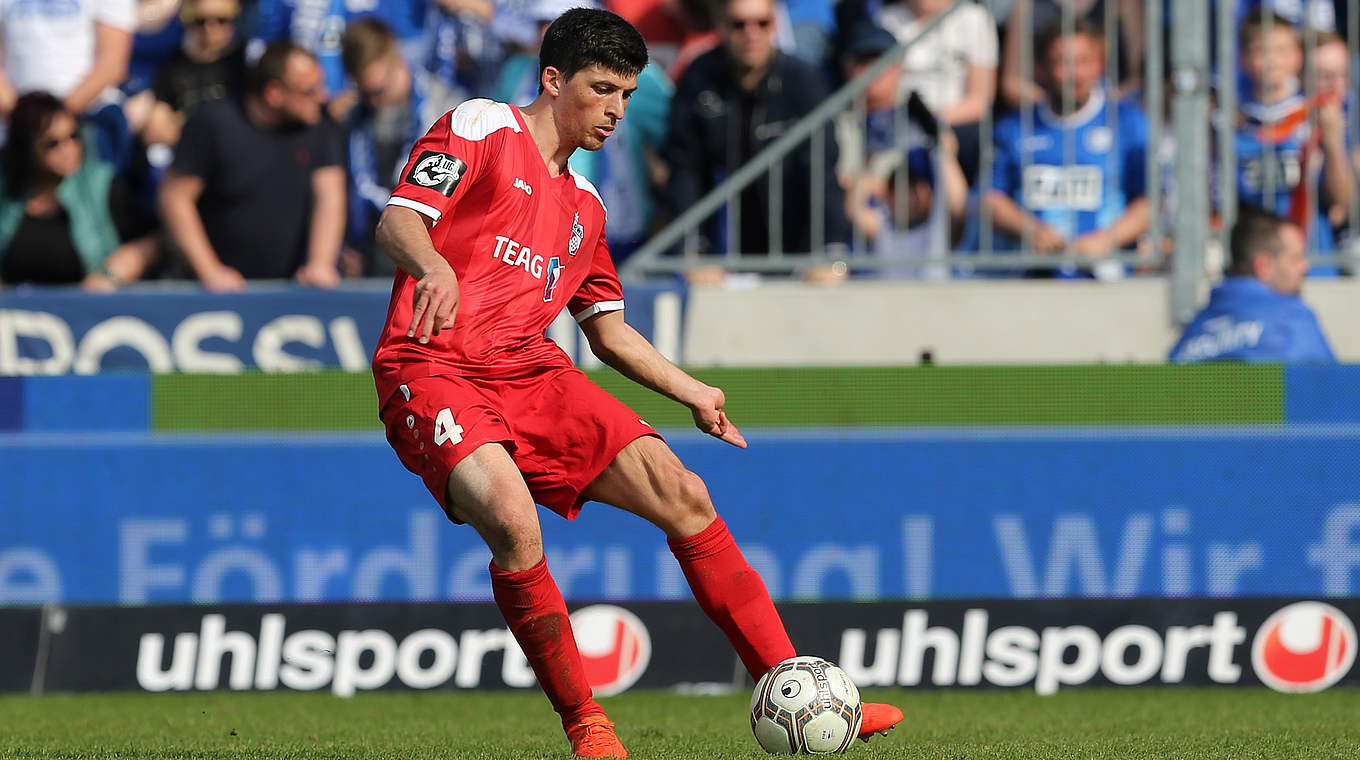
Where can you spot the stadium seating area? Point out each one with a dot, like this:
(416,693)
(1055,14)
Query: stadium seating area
(999,71)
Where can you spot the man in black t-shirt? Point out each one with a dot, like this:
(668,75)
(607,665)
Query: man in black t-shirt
(257,190)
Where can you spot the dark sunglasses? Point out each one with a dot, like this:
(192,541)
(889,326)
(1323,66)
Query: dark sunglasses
(203,21)
(52,143)
(738,24)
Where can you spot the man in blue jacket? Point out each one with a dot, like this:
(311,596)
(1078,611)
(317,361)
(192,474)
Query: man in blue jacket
(1256,315)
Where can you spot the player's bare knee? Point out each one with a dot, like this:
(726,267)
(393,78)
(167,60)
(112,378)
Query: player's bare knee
(515,544)
(693,505)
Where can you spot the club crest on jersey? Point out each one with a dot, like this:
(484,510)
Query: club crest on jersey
(578,233)
(437,171)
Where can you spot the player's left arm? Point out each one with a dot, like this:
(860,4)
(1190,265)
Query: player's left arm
(617,344)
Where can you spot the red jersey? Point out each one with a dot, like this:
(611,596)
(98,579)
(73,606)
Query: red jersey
(522,242)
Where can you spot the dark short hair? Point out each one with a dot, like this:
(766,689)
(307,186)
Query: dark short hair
(32,115)
(1255,231)
(584,37)
(1056,30)
(272,64)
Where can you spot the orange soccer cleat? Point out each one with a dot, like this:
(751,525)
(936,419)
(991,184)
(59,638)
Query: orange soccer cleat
(593,736)
(878,719)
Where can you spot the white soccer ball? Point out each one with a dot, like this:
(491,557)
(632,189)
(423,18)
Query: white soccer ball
(805,705)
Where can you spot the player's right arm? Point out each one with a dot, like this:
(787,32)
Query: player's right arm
(443,164)
(405,234)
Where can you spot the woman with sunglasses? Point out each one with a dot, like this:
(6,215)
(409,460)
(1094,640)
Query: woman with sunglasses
(64,218)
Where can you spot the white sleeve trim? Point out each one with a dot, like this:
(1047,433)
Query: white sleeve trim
(597,308)
(427,210)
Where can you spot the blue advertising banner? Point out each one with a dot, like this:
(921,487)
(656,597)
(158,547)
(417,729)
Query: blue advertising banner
(272,327)
(134,518)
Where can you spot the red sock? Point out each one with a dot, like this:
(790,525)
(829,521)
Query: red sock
(537,615)
(732,594)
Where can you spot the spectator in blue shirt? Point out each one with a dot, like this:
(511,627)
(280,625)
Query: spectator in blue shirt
(397,103)
(1256,315)
(1076,182)
(1282,159)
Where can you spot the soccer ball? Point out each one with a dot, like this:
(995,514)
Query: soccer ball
(805,705)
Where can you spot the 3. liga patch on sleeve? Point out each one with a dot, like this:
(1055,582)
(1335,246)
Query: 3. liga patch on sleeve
(437,171)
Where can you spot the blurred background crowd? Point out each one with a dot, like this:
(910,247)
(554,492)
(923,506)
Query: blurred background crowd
(235,140)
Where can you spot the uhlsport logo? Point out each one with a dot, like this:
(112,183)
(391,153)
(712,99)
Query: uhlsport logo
(1305,647)
(615,647)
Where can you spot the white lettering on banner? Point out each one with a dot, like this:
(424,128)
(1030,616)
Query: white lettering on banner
(348,661)
(917,554)
(349,350)
(1079,187)
(1150,553)
(182,351)
(416,564)
(292,328)
(28,576)
(1337,552)
(137,576)
(116,332)
(34,325)
(1051,658)
(1074,554)
(190,334)
(858,564)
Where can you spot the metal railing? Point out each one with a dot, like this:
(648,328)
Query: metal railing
(654,256)
(1184,192)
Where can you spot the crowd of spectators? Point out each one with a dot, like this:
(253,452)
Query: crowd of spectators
(232,140)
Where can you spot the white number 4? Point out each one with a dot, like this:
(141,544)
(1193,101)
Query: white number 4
(445,429)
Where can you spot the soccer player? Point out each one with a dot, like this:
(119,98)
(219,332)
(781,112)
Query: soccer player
(493,234)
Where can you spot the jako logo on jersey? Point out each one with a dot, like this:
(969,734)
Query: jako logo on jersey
(615,647)
(578,233)
(554,274)
(1304,647)
(522,185)
(437,171)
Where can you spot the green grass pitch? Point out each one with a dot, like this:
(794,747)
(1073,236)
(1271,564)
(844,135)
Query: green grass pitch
(1193,724)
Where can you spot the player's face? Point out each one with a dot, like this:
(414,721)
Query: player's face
(1331,70)
(590,105)
(748,32)
(1288,267)
(1273,59)
(1077,63)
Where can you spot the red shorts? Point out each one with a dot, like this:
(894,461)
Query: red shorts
(560,428)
